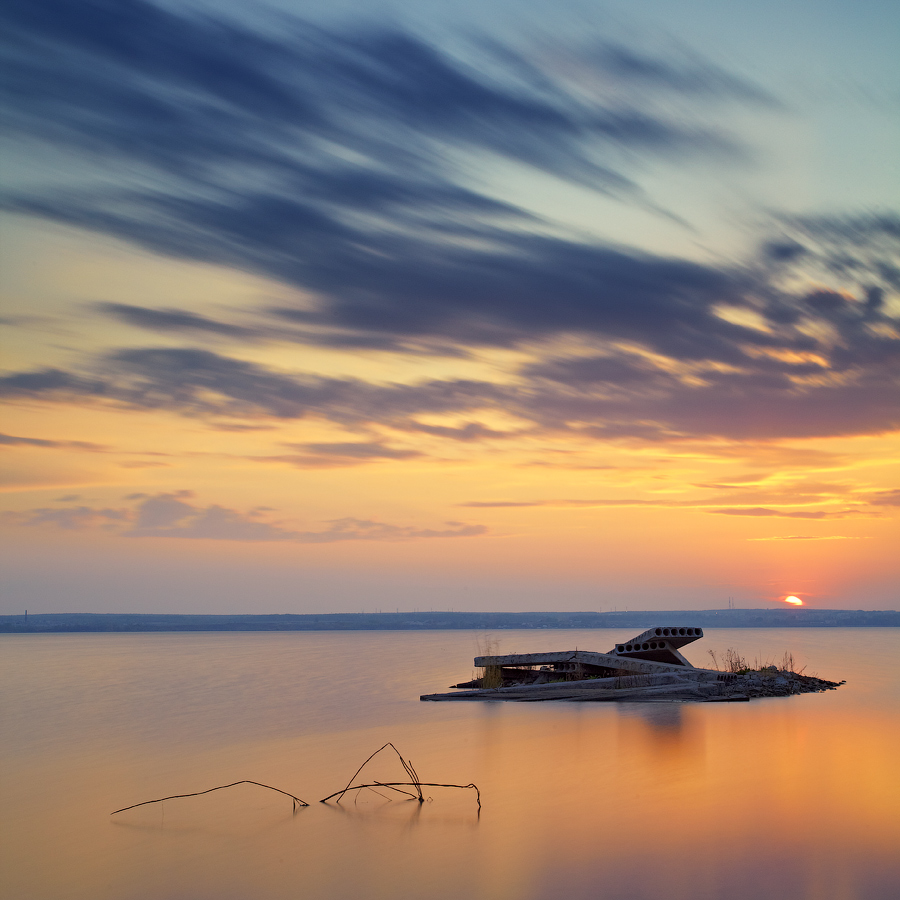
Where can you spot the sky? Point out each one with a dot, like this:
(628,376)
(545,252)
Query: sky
(458,305)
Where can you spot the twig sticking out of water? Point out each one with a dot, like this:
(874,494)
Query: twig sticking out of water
(297,802)
(415,782)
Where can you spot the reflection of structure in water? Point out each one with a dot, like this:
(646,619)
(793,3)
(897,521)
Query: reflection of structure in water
(662,721)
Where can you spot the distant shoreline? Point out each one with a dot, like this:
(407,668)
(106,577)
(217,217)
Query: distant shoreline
(64,623)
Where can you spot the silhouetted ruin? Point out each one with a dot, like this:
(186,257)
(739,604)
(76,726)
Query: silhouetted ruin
(646,667)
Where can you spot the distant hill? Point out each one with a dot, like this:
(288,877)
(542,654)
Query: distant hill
(429,621)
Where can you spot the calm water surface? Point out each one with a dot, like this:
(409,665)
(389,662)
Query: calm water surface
(784,798)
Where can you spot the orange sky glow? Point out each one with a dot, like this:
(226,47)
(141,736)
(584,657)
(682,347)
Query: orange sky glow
(366,358)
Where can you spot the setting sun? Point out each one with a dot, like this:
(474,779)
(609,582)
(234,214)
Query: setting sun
(796,601)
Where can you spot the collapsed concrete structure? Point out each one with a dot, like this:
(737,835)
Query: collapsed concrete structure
(649,666)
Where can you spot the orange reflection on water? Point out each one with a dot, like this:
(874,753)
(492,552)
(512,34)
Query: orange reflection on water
(788,797)
(708,792)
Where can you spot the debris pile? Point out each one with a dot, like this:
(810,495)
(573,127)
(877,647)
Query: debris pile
(770,681)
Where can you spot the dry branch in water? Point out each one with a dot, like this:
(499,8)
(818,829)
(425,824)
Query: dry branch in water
(397,785)
(295,800)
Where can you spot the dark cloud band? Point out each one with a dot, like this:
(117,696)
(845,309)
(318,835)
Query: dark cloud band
(332,161)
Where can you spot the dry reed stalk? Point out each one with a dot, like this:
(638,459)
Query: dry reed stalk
(733,662)
(491,676)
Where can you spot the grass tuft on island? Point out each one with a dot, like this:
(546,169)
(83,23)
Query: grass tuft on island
(768,679)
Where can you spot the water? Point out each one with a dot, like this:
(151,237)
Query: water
(783,798)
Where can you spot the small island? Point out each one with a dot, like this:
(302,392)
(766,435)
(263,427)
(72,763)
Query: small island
(649,667)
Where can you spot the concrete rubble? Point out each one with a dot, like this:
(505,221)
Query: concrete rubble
(647,668)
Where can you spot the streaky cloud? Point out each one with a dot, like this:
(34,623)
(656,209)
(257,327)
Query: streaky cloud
(356,450)
(172,320)
(763,511)
(682,74)
(652,406)
(9,440)
(886,498)
(171,515)
(69,518)
(338,454)
(234,129)
(331,160)
(198,382)
(809,537)
(350,529)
